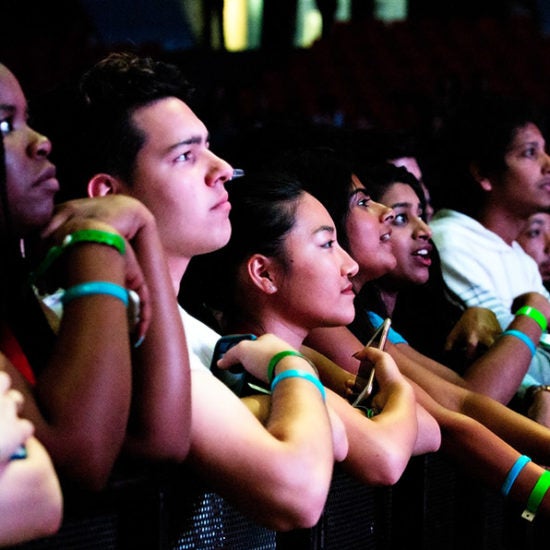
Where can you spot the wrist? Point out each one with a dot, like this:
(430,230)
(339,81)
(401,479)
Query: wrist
(92,262)
(282,361)
(535,315)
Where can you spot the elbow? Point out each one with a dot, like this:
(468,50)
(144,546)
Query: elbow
(385,471)
(159,445)
(393,471)
(52,512)
(300,513)
(86,462)
(301,499)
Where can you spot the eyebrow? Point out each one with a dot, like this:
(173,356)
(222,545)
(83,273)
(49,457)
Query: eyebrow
(323,228)
(193,140)
(402,205)
(358,190)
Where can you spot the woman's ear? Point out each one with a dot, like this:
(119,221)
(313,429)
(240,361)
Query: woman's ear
(261,271)
(103,184)
(484,181)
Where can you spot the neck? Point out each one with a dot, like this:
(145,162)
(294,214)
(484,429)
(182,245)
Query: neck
(389,298)
(273,324)
(177,268)
(507,225)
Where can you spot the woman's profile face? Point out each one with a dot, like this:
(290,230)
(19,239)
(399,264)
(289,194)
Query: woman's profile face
(314,285)
(410,238)
(369,234)
(30,177)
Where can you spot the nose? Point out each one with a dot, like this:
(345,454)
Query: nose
(349,266)
(219,171)
(421,230)
(39,145)
(385,213)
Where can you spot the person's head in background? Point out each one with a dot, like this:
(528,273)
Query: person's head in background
(283,269)
(490,156)
(141,138)
(30,182)
(535,240)
(396,188)
(400,148)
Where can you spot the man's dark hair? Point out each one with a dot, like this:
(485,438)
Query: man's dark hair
(112,90)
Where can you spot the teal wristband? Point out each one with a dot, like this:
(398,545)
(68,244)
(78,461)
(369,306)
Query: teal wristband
(520,463)
(92,288)
(281,355)
(293,373)
(523,337)
(537,494)
(535,314)
(82,236)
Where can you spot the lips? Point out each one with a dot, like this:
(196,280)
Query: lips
(348,289)
(48,180)
(223,203)
(385,237)
(424,252)
(423,255)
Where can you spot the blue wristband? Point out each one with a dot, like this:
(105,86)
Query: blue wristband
(523,337)
(294,373)
(91,288)
(520,463)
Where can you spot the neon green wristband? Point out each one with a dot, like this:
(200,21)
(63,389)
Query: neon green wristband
(537,494)
(535,314)
(81,236)
(281,355)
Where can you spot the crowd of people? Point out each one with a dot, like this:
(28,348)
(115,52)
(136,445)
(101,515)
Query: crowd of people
(113,301)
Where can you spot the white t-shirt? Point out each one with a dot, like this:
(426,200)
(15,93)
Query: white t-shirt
(201,340)
(483,270)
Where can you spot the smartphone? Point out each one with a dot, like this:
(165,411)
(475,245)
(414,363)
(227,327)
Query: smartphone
(236,378)
(364,381)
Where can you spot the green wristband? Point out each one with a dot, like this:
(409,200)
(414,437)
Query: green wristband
(96,236)
(537,494)
(281,355)
(82,236)
(535,314)
(294,373)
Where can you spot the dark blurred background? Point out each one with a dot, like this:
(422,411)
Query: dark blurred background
(343,63)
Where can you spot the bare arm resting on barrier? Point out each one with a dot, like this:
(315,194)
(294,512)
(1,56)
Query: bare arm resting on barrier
(161,411)
(278,474)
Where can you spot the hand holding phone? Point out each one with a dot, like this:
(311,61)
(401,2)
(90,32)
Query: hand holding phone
(364,381)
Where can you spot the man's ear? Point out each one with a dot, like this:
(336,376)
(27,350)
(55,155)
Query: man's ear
(103,184)
(262,272)
(484,181)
